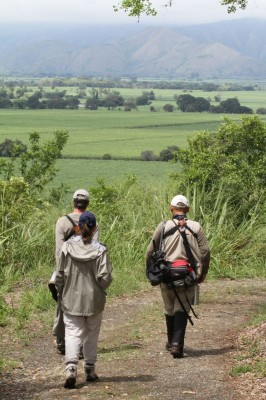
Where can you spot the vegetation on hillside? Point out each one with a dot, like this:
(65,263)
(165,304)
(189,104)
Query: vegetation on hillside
(234,159)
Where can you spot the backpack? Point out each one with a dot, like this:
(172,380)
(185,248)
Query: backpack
(74,231)
(182,272)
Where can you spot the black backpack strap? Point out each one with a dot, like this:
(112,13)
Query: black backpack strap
(176,228)
(192,232)
(190,256)
(72,232)
(170,232)
(71,220)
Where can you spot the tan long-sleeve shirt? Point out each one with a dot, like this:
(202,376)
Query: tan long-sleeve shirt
(174,248)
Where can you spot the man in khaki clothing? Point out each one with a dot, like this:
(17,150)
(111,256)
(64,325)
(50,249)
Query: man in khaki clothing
(175,251)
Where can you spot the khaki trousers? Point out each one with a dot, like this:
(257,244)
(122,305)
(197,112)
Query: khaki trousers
(171,303)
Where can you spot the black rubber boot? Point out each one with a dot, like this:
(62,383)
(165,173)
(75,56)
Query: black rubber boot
(180,324)
(170,321)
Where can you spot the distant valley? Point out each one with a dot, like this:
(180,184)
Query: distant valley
(227,49)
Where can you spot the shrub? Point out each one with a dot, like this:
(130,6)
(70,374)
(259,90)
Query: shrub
(233,157)
(261,111)
(168,108)
(148,155)
(168,154)
(107,156)
(10,148)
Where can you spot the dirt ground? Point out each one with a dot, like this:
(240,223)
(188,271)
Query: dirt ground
(132,360)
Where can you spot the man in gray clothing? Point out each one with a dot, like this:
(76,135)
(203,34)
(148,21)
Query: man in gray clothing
(66,227)
(182,233)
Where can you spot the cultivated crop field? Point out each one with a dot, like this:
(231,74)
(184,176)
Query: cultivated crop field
(120,134)
(79,173)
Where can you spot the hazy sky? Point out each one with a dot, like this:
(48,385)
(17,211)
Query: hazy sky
(101,11)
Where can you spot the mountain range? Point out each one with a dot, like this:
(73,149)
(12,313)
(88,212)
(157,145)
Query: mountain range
(226,49)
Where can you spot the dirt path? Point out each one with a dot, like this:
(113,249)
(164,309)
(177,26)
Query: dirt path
(133,363)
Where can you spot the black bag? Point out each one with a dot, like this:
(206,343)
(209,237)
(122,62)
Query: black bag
(180,271)
(159,270)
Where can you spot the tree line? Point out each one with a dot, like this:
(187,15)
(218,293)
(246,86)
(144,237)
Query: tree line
(21,98)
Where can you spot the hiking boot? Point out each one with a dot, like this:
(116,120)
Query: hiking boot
(177,351)
(168,346)
(90,373)
(71,375)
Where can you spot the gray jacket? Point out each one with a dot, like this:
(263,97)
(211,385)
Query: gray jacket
(82,275)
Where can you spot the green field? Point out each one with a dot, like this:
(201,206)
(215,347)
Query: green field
(119,133)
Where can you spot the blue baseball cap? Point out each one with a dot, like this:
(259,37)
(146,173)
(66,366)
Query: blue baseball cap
(87,218)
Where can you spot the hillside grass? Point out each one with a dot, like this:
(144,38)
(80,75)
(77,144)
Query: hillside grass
(85,173)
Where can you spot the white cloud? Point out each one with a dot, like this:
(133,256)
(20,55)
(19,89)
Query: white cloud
(101,11)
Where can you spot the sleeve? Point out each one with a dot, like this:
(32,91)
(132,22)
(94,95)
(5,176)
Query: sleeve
(204,251)
(59,238)
(59,274)
(104,270)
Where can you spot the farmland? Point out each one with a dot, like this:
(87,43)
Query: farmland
(94,133)
(122,135)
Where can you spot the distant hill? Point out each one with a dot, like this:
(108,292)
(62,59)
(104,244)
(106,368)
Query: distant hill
(228,49)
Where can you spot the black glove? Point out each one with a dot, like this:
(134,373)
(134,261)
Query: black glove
(53,290)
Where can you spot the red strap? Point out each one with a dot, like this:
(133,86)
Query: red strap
(180,263)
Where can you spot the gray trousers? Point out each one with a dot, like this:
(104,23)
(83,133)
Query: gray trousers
(82,331)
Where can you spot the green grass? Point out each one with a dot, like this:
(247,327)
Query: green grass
(251,348)
(84,173)
(8,365)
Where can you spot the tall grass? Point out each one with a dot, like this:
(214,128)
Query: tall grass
(237,245)
(127,213)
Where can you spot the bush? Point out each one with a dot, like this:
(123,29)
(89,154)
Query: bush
(261,111)
(168,154)
(107,156)
(148,155)
(10,148)
(231,106)
(168,108)
(232,158)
